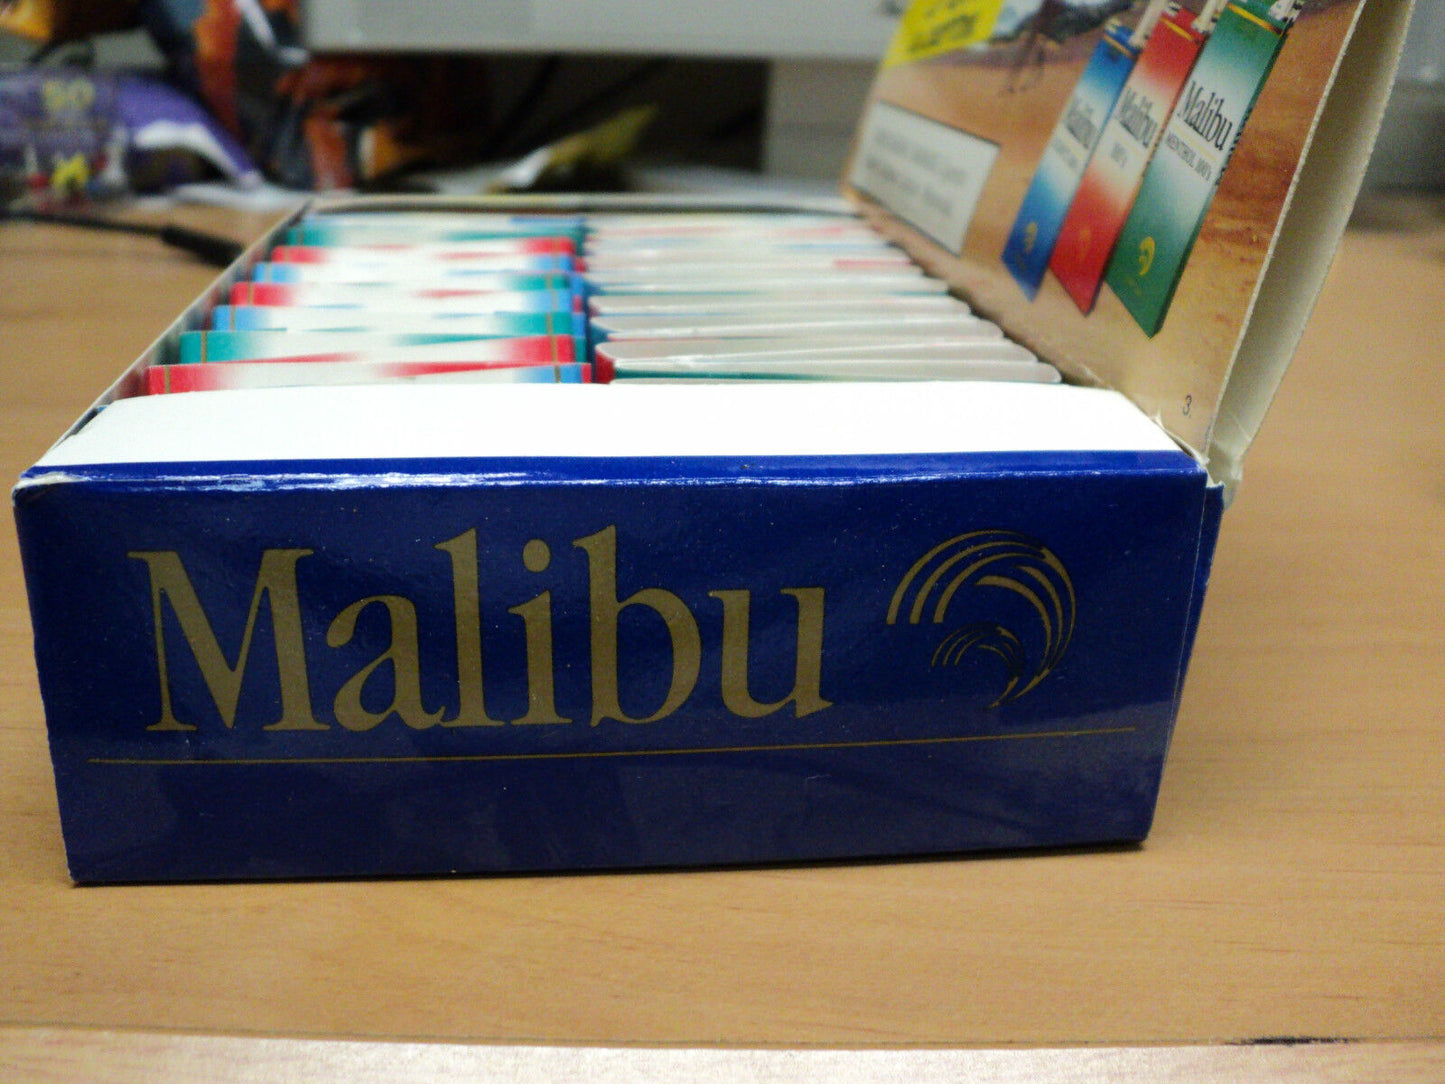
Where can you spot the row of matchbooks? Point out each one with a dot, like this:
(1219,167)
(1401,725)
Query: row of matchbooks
(381,297)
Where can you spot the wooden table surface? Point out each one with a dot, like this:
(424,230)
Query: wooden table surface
(1293,887)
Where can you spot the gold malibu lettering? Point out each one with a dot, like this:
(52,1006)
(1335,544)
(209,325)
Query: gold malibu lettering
(467,613)
(400,660)
(601,550)
(404,654)
(806,696)
(537,620)
(276,579)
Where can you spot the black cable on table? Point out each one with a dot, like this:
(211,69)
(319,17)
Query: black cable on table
(208,247)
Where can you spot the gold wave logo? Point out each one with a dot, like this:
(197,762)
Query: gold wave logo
(1005,561)
(1146,256)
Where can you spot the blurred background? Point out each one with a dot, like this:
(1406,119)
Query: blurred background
(251,98)
(1411,150)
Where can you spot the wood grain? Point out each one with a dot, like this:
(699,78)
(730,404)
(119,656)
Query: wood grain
(45,1055)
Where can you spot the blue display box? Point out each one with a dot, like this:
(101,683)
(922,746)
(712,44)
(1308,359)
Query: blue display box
(376,631)
(421,665)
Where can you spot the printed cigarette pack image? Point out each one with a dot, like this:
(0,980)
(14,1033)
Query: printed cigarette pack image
(576,533)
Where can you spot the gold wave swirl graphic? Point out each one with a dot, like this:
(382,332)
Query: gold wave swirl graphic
(1005,560)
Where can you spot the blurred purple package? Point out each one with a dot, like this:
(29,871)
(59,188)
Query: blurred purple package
(68,133)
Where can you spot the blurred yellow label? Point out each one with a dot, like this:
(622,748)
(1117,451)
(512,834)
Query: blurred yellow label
(933,27)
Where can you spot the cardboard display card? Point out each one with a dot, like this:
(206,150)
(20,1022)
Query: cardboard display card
(1195,175)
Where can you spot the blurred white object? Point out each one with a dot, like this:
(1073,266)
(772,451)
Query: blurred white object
(858,29)
(821,53)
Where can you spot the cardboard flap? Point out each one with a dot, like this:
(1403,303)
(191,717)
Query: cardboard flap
(1147,195)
